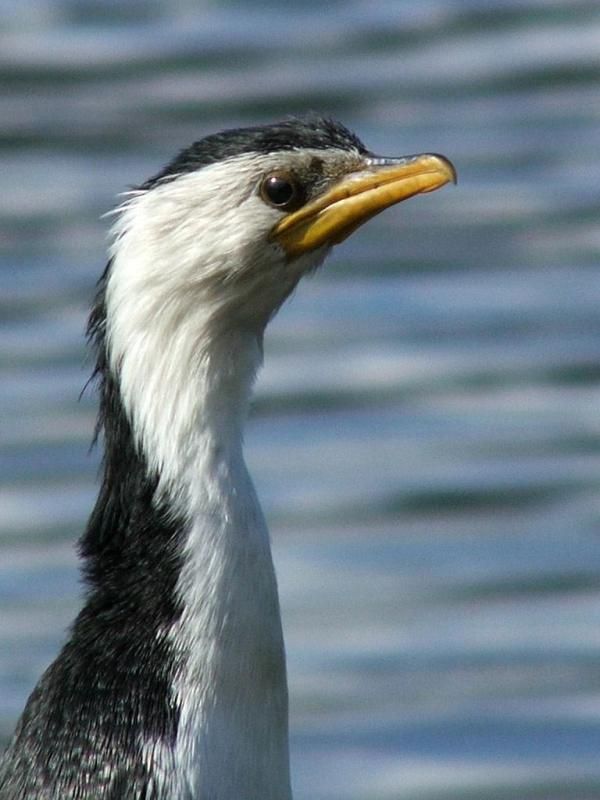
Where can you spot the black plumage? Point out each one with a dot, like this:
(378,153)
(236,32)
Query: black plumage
(109,689)
(310,132)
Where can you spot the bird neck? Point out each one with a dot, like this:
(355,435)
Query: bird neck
(173,408)
(232,688)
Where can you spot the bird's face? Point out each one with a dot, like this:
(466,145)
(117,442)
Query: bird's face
(236,228)
(206,252)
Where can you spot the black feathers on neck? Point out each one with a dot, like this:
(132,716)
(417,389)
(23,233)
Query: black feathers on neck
(132,538)
(110,690)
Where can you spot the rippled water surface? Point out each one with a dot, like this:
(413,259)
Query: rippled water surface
(426,432)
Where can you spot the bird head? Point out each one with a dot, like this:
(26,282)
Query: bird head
(234,221)
(205,253)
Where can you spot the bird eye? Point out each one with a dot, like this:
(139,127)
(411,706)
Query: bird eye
(282,191)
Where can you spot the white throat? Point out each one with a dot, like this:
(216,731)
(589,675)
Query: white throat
(185,385)
(232,691)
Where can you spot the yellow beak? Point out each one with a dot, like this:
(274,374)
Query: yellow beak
(358,196)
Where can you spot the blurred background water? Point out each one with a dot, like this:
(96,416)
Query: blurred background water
(426,431)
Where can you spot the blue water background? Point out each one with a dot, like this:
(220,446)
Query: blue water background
(426,432)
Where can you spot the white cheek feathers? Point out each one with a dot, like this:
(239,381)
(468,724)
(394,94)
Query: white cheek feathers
(193,275)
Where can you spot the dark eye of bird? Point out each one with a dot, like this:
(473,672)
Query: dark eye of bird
(282,191)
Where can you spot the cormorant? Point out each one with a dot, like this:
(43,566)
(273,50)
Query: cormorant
(172,684)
